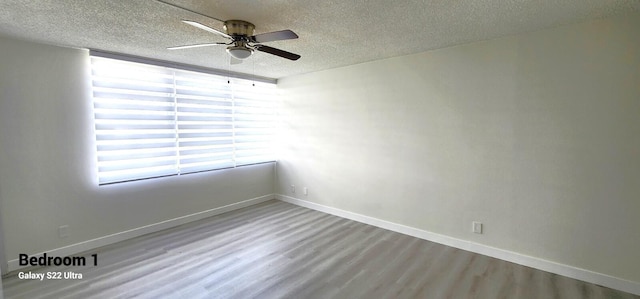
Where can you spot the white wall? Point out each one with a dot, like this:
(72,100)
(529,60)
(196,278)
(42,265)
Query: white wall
(47,176)
(535,135)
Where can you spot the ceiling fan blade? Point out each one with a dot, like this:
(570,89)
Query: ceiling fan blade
(273,36)
(277,52)
(189,10)
(206,28)
(194,46)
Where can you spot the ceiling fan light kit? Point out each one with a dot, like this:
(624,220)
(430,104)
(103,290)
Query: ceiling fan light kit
(239,52)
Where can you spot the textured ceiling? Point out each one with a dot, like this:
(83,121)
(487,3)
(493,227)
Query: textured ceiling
(332,33)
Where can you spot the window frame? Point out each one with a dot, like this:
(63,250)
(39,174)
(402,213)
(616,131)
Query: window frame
(256,97)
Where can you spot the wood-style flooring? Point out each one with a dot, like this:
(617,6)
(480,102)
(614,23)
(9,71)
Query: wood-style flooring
(279,250)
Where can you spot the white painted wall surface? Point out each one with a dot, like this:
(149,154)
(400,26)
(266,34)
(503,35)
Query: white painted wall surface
(535,135)
(47,176)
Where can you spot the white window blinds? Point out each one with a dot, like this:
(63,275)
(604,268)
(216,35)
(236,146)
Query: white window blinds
(154,121)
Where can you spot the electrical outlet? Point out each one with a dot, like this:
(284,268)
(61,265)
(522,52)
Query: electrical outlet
(63,231)
(305,191)
(293,189)
(476,227)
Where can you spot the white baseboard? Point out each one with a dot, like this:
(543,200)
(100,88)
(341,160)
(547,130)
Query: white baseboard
(510,256)
(13,265)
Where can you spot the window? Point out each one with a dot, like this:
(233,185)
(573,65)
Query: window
(153,121)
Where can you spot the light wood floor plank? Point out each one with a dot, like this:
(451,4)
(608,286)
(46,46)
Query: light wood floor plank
(278,250)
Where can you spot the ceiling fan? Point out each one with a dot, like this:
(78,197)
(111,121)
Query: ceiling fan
(243,42)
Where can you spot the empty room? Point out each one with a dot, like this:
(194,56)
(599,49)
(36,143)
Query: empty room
(320,149)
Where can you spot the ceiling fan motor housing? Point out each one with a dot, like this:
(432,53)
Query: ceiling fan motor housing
(238,27)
